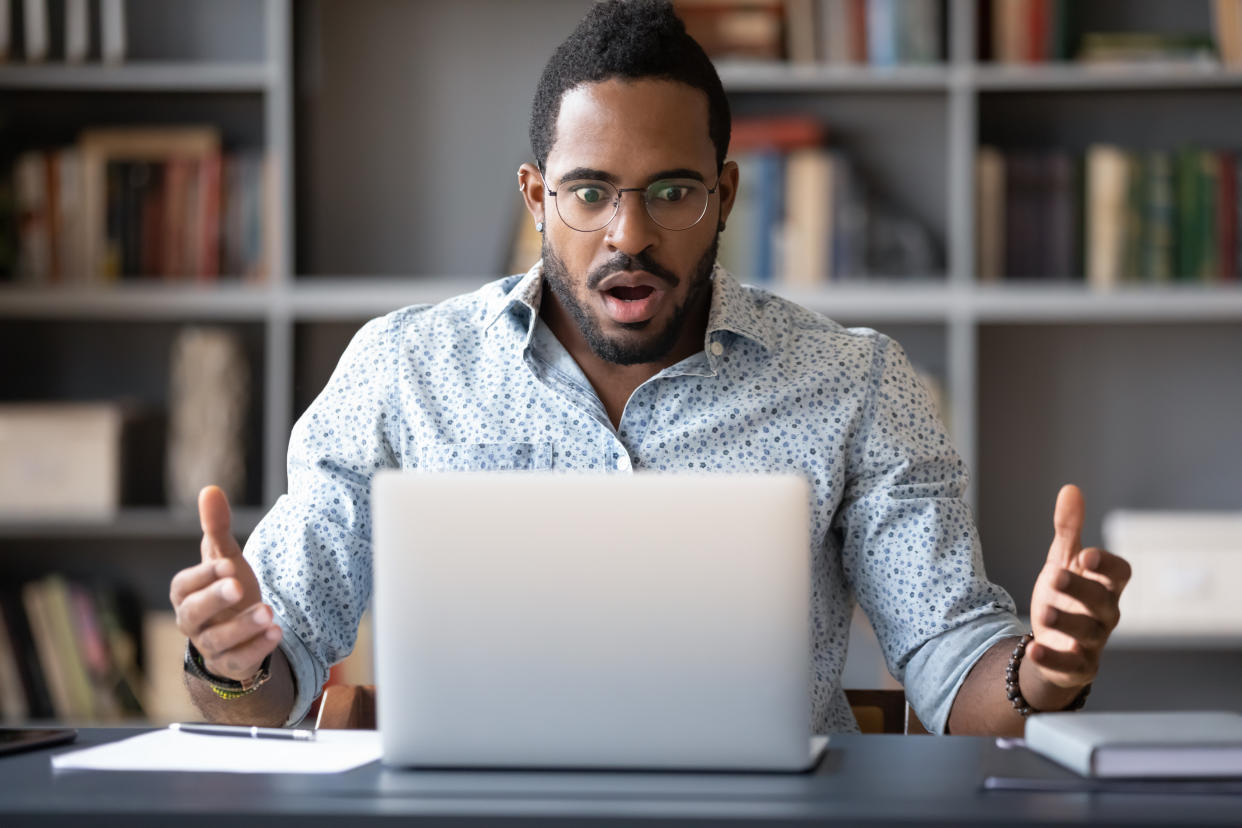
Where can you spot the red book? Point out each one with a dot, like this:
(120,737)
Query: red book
(1037,31)
(1227,217)
(209,170)
(858,31)
(778,133)
(151,257)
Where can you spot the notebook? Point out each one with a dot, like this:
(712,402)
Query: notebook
(1163,745)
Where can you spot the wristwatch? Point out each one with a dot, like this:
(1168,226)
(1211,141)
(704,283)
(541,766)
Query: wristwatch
(226,688)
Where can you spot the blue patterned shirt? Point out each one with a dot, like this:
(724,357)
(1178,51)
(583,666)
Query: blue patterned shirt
(478,382)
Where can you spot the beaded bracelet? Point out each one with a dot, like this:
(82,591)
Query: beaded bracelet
(1014,694)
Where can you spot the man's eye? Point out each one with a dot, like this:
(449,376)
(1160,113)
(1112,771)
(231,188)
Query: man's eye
(589,195)
(670,192)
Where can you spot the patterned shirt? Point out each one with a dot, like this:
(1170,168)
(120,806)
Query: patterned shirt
(478,382)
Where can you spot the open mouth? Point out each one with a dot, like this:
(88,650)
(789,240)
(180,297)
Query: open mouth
(632,294)
(629,304)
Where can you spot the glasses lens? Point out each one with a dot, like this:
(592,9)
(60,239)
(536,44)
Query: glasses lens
(677,203)
(586,205)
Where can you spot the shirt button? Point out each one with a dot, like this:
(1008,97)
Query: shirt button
(623,463)
(717,349)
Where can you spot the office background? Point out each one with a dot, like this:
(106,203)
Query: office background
(376,141)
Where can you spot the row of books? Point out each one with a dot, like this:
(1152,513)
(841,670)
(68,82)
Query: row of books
(804,215)
(69,652)
(160,203)
(35,24)
(1036,31)
(875,32)
(1111,215)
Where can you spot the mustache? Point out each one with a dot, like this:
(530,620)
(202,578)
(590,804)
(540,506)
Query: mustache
(624,261)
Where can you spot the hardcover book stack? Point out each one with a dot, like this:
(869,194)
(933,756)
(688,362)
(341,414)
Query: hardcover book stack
(804,216)
(859,32)
(135,203)
(68,651)
(1110,216)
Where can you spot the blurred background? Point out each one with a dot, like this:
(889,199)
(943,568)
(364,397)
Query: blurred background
(202,200)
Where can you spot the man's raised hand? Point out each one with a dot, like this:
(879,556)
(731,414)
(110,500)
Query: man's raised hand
(218,603)
(1074,606)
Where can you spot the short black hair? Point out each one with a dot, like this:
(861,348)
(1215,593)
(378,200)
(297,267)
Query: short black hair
(629,39)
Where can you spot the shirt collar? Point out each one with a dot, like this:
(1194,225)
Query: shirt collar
(733,308)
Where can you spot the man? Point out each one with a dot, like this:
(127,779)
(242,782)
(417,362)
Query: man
(627,348)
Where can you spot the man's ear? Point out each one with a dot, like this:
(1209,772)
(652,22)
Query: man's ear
(727,189)
(530,182)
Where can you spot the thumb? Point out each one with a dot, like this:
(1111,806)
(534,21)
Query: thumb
(1067,520)
(217,521)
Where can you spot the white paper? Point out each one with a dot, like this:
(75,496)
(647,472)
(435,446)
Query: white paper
(331,751)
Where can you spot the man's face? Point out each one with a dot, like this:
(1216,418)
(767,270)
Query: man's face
(630,286)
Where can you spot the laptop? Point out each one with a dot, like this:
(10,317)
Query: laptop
(547,620)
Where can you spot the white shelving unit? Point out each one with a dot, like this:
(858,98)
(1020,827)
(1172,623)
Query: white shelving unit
(954,304)
(940,114)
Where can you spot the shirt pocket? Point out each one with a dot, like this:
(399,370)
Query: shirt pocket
(446,457)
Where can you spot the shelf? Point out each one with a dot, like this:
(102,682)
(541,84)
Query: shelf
(346,298)
(185,76)
(137,301)
(1077,76)
(353,297)
(785,77)
(1077,303)
(150,522)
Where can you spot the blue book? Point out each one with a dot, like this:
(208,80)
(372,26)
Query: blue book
(882,32)
(770,181)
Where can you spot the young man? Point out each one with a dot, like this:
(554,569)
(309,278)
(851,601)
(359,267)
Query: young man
(627,348)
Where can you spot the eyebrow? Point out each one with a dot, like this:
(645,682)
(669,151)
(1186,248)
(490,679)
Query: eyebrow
(578,173)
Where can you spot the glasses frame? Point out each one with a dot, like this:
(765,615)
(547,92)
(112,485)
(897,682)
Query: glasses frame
(616,205)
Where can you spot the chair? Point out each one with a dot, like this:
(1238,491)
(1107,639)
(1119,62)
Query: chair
(877,711)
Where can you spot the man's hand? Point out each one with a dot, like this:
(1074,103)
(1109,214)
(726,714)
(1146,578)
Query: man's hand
(1074,608)
(218,602)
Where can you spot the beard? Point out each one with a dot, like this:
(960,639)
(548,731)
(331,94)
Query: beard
(635,348)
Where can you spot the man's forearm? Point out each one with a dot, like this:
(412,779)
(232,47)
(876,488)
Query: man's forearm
(269,706)
(982,708)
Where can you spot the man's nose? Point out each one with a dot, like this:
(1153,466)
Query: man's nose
(632,229)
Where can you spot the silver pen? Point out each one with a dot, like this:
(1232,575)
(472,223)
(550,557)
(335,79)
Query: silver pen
(244,731)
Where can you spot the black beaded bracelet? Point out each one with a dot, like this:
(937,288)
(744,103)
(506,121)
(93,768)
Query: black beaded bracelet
(1014,694)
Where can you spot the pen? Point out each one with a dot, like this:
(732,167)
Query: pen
(244,732)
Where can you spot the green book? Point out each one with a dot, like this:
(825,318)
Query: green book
(1209,247)
(1188,214)
(1159,217)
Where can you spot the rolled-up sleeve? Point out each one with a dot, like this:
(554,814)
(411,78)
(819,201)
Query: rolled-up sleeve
(910,549)
(312,551)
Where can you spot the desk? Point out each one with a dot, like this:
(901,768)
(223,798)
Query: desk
(863,780)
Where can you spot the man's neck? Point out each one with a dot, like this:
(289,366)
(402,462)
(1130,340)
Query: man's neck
(613,383)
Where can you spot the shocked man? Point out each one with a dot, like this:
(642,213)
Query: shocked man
(628,348)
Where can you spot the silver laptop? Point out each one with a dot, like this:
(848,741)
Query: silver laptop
(528,619)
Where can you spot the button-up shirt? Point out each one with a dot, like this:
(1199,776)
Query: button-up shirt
(479,383)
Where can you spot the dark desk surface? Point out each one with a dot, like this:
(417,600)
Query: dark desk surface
(863,780)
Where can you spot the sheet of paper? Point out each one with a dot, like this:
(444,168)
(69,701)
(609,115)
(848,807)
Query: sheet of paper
(331,751)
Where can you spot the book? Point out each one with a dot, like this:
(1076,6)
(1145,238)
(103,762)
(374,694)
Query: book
(990,214)
(35,20)
(77,30)
(6,31)
(1107,184)
(808,222)
(113,40)
(1156,745)
(800,32)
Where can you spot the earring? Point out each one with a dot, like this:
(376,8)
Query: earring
(539,227)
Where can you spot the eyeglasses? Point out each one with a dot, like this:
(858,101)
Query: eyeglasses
(587,205)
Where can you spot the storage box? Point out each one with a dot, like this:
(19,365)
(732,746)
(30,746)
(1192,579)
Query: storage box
(1187,568)
(60,460)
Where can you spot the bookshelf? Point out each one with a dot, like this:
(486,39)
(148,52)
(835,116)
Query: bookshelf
(1046,381)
